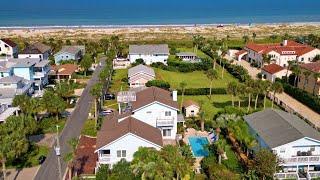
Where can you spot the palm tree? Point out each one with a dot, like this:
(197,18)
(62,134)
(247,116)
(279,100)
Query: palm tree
(215,57)
(182,85)
(212,75)
(232,89)
(315,76)
(201,117)
(220,147)
(306,74)
(105,43)
(245,38)
(266,59)
(249,91)
(276,88)
(21,101)
(290,63)
(250,143)
(34,107)
(257,91)
(96,92)
(197,41)
(240,91)
(254,35)
(265,87)
(53,103)
(297,71)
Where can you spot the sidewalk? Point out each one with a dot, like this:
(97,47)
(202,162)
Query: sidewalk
(287,102)
(23,174)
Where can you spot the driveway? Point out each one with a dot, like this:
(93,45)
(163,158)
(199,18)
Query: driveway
(22,174)
(286,101)
(50,169)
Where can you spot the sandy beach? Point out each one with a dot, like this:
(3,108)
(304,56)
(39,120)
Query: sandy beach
(163,32)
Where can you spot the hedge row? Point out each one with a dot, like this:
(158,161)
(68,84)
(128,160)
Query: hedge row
(202,91)
(304,97)
(180,66)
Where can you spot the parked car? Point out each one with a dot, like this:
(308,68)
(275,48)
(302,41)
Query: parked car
(106,112)
(109,96)
(41,159)
(65,114)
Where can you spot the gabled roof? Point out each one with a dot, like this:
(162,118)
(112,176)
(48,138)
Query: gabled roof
(9,42)
(70,49)
(11,79)
(277,127)
(5,66)
(151,95)
(140,69)
(36,48)
(112,130)
(149,49)
(28,62)
(272,68)
(314,66)
(64,69)
(189,102)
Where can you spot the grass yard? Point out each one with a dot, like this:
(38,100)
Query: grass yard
(89,128)
(117,84)
(219,102)
(196,79)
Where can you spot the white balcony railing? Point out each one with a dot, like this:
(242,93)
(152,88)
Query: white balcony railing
(301,159)
(288,175)
(104,158)
(39,74)
(165,122)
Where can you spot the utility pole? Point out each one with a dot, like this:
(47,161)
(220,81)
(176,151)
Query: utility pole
(58,153)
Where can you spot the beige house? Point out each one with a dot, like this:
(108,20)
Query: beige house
(272,71)
(8,48)
(139,75)
(191,108)
(310,83)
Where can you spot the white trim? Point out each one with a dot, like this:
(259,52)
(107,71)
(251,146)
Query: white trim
(311,139)
(154,102)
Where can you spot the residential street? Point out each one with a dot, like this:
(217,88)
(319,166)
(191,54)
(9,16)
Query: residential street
(49,169)
(288,102)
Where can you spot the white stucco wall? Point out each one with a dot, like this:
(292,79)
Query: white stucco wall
(152,112)
(44,56)
(308,57)
(128,142)
(192,108)
(149,59)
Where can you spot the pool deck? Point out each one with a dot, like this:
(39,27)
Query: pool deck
(190,132)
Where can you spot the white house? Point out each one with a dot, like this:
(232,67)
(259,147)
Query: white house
(272,71)
(36,50)
(191,108)
(281,53)
(149,53)
(69,53)
(296,144)
(121,136)
(8,48)
(139,75)
(188,56)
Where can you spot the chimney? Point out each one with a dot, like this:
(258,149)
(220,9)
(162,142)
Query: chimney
(285,42)
(175,95)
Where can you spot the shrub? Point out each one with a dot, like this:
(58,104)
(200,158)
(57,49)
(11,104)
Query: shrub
(202,91)
(174,65)
(158,83)
(137,62)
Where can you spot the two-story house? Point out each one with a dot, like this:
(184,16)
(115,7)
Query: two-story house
(36,50)
(296,144)
(69,53)
(8,48)
(149,53)
(139,75)
(308,81)
(280,53)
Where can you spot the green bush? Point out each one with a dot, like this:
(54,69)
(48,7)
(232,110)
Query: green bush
(158,83)
(180,66)
(304,97)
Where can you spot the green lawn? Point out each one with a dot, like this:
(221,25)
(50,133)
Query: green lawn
(196,79)
(219,102)
(89,128)
(117,83)
(48,125)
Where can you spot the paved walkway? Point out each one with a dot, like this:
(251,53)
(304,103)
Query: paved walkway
(23,174)
(288,102)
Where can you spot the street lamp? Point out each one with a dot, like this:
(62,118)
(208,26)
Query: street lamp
(58,153)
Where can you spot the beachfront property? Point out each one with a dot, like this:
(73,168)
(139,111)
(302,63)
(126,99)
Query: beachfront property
(139,75)
(121,136)
(36,50)
(307,80)
(62,72)
(272,71)
(149,53)
(190,108)
(280,53)
(8,48)
(296,144)
(187,56)
(14,85)
(69,53)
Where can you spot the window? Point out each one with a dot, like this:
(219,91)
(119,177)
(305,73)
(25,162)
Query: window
(166,132)
(282,150)
(2,74)
(302,59)
(6,84)
(121,153)
(105,152)
(168,113)
(149,112)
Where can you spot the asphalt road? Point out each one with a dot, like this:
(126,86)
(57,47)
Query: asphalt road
(49,169)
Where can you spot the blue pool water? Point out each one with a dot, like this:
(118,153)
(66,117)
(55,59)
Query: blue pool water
(198,146)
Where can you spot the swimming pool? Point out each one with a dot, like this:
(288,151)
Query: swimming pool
(198,146)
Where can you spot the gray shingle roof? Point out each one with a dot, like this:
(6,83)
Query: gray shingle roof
(149,49)
(277,127)
(28,62)
(140,68)
(11,79)
(36,48)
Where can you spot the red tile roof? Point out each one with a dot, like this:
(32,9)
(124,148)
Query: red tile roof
(9,42)
(314,66)
(189,102)
(294,47)
(86,159)
(64,69)
(152,94)
(272,68)
(112,130)
(240,53)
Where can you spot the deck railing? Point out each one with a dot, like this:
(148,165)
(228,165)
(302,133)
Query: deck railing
(165,122)
(300,159)
(288,175)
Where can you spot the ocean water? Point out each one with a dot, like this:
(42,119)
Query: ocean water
(155,12)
